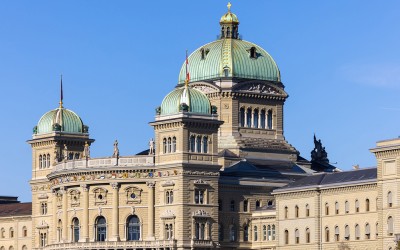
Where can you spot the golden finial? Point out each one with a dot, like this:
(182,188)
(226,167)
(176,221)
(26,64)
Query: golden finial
(229,6)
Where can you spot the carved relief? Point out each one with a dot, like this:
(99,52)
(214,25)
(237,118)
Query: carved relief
(168,214)
(75,198)
(100,196)
(133,195)
(201,213)
(205,89)
(259,88)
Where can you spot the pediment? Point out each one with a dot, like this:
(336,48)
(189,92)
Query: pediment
(260,88)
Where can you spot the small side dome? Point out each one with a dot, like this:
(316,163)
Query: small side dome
(62,120)
(185,99)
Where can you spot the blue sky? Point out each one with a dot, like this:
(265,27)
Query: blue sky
(339,61)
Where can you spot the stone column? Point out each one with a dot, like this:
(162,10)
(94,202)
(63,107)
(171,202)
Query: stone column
(259,118)
(245,118)
(55,210)
(252,118)
(115,212)
(65,214)
(150,234)
(85,217)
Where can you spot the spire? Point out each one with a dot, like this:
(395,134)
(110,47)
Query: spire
(229,6)
(61,94)
(187,72)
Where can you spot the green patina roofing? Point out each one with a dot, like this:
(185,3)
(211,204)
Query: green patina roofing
(195,99)
(70,122)
(233,54)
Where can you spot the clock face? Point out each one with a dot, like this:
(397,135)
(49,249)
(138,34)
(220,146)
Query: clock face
(133,195)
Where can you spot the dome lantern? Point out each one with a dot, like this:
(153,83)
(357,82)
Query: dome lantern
(229,25)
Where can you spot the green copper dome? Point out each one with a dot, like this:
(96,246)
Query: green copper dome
(230,58)
(62,120)
(185,99)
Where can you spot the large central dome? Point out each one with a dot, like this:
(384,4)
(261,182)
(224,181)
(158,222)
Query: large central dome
(230,57)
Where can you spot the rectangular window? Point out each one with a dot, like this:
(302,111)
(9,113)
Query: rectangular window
(199,196)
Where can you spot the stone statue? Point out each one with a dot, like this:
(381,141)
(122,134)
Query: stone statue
(319,153)
(34,130)
(65,152)
(151,147)
(158,111)
(86,151)
(116,150)
(56,159)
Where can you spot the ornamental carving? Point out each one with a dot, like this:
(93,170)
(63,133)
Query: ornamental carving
(75,198)
(100,196)
(205,89)
(168,214)
(259,88)
(201,213)
(200,182)
(133,195)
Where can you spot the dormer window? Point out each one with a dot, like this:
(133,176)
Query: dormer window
(204,53)
(253,53)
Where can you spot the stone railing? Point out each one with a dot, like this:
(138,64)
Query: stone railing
(202,243)
(133,161)
(112,245)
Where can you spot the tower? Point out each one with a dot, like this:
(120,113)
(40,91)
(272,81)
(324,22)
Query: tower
(243,81)
(186,142)
(59,136)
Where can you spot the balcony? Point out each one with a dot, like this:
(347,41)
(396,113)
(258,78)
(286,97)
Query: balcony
(202,243)
(110,245)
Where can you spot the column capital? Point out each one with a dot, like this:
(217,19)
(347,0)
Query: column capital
(63,190)
(85,187)
(150,184)
(114,185)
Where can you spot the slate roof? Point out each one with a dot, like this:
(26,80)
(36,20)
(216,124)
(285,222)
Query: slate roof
(327,179)
(16,209)
(270,145)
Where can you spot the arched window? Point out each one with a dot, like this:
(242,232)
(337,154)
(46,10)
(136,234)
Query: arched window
(357,206)
(297,236)
(273,232)
(248,115)
(59,230)
(326,209)
(48,160)
(11,248)
(70,156)
(367,232)
(200,230)
(346,207)
(286,237)
(40,162)
(308,235)
(326,234)
(205,144)
(192,143)
(43,239)
(11,232)
(24,231)
(389,199)
(307,210)
(357,232)
(24,247)
(77,156)
(269,119)
(376,230)
(336,207)
(101,229)
(390,225)
(174,144)
(232,233)
(220,232)
(296,211)
(2,233)
(228,32)
(286,212)
(169,197)
(262,118)
(75,230)
(232,206)
(241,117)
(367,205)
(169,232)
(337,235)
(203,54)
(264,232)
(169,143)
(255,233)
(255,118)
(164,145)
(2,248)
(133,228)
(222,32)
(246,233)
(258,204)
(346,232)
(198,144)
(269,232)
(245,205)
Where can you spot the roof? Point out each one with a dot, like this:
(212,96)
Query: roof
(211,60)
(329,179)
(15,209)
(196,101)
(269,145)
(69,121)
